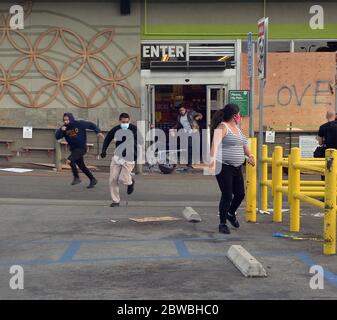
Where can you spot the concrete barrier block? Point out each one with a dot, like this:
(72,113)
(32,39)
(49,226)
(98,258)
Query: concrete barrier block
(245,262)
(191,215)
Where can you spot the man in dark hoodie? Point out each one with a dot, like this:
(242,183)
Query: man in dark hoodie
(74,132)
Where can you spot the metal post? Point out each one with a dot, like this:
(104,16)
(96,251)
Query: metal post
(264,193)
(251,96)
(295,187)
(329,247)
(251,186)
(260,141)
(277,183)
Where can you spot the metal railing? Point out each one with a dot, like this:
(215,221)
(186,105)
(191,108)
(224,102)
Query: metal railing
(296,190)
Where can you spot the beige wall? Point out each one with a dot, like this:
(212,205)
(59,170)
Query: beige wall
(95,82)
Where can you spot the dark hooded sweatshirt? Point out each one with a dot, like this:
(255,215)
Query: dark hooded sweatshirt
(76,134)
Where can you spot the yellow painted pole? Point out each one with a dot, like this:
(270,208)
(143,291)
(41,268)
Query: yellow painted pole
(306,197)
(277,182)
(295,188)
(264,190)
(290,178)
(329,246)
(251,185)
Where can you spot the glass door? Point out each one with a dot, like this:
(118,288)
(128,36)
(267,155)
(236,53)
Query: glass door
(150,115)
(216,98)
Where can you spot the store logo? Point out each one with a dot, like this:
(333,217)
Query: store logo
(317,20)
(17,17)
(159,51)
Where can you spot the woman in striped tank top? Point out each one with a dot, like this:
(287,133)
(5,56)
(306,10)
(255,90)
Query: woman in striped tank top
(228,153)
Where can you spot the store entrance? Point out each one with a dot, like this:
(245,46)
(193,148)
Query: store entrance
(163,102)
(168,98)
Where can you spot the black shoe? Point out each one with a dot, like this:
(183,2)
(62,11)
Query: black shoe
(232,219)
(131,187)
(93,182)
(76,180)
(114,204)
(223,228)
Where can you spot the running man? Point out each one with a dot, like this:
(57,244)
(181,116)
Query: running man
(124,158)
(74,132)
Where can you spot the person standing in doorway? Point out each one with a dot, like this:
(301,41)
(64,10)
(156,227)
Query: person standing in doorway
(124,158)
(326,136)
(188,120)
(74,132)
(228,152)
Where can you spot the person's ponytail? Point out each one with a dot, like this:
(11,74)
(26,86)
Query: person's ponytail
(217,118)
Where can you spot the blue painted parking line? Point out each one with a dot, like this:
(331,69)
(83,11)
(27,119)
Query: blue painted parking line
(328,275)
(183,253)
(220,239)
(70,252)
(182,249)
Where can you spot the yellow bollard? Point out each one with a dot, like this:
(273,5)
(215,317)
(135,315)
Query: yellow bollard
(251,185)
(277,182)
(290,175)
(295,186)
(264,191)
(329,246)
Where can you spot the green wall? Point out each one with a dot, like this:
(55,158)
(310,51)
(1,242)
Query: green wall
(237,31)
(222,19)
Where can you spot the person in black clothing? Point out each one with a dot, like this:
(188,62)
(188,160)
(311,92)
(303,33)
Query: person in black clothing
(124,158)
(74,132)
(325,134)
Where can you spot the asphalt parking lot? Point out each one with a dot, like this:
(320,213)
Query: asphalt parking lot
(72,245)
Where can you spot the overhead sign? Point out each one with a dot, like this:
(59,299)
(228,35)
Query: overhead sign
(241,98)
(262,47)
(250,55)
(158,51)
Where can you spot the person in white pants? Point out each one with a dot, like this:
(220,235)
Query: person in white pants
(120,173)
(124,158)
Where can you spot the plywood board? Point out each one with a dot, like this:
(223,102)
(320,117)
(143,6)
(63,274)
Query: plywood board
(300,87)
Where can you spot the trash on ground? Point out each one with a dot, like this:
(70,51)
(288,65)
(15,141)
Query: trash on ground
(17,170)
(318,215)
(293,237)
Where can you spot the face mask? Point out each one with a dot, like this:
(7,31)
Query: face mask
(125,125)
(237,119)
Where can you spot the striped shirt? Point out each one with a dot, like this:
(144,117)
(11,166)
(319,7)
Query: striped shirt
(230,151)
